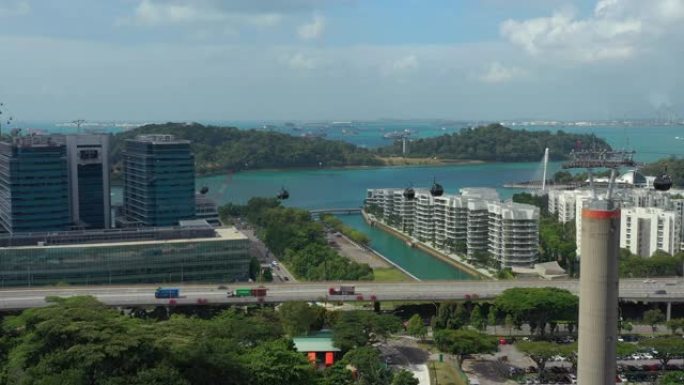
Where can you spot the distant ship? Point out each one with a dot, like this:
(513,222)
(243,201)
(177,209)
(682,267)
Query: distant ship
(314,134)
(397,134)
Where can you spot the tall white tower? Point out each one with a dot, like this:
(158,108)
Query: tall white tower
(598,299)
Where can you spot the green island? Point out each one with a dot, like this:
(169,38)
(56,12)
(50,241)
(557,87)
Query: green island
(496,143)
(219,149)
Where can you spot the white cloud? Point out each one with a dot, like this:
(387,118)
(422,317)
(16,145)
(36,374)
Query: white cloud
(406,63)
(158,13)
(498,73)
(617,29)
(312,30)
(14,7)
(299,61)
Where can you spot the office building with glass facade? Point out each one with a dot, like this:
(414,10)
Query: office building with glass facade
(88,163)
(34,185)
(193,252)
(159,181)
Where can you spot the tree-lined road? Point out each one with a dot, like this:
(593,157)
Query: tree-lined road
(143,295)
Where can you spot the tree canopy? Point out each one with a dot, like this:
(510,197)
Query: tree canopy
(672,378)
(462,342)
(654,317)
(298,240)
(660,264)
(354,329)
(665,348)
(79,341)
(416,327)
(538,306)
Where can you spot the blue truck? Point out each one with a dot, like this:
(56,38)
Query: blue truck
(166,293)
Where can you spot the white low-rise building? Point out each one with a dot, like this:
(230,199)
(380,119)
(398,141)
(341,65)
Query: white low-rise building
(563,203)
(645,230)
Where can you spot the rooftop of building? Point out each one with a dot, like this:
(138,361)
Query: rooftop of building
(34,141)
(159,139)
(187,231)
(315,342)
(514,211)
(485,193)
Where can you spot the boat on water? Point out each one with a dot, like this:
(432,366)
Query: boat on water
(397,134)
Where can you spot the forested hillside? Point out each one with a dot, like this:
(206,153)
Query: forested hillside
(220,149)
(497,143)
(228,148)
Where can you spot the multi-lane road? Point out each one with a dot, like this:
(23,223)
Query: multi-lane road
(658,290)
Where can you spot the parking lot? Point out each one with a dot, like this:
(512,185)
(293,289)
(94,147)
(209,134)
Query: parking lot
(510,366)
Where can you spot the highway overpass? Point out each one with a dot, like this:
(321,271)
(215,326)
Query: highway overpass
(671,290)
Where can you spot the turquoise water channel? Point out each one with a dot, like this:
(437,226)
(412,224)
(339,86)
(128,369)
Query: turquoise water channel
(417,262)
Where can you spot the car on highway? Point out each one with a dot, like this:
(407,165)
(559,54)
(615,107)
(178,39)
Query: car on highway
(660,291)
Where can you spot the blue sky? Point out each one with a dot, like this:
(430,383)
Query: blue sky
(340,59)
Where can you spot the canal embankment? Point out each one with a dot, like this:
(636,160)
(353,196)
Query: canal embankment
(383,268)
(453,260)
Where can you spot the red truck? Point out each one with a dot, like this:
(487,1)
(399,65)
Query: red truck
(342,290)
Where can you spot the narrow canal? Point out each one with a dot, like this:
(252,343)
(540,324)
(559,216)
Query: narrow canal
(422,265)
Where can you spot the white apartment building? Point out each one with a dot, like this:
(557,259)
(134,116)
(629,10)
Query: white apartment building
(424,217)
(563,203)
(646,198)
(403,210)
(645,230)
(476,218)
(383,198)
(631,199)
(513,233)
(478,227)
(451,221)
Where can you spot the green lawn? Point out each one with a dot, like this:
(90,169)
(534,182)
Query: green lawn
(390,274)
(446,374)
